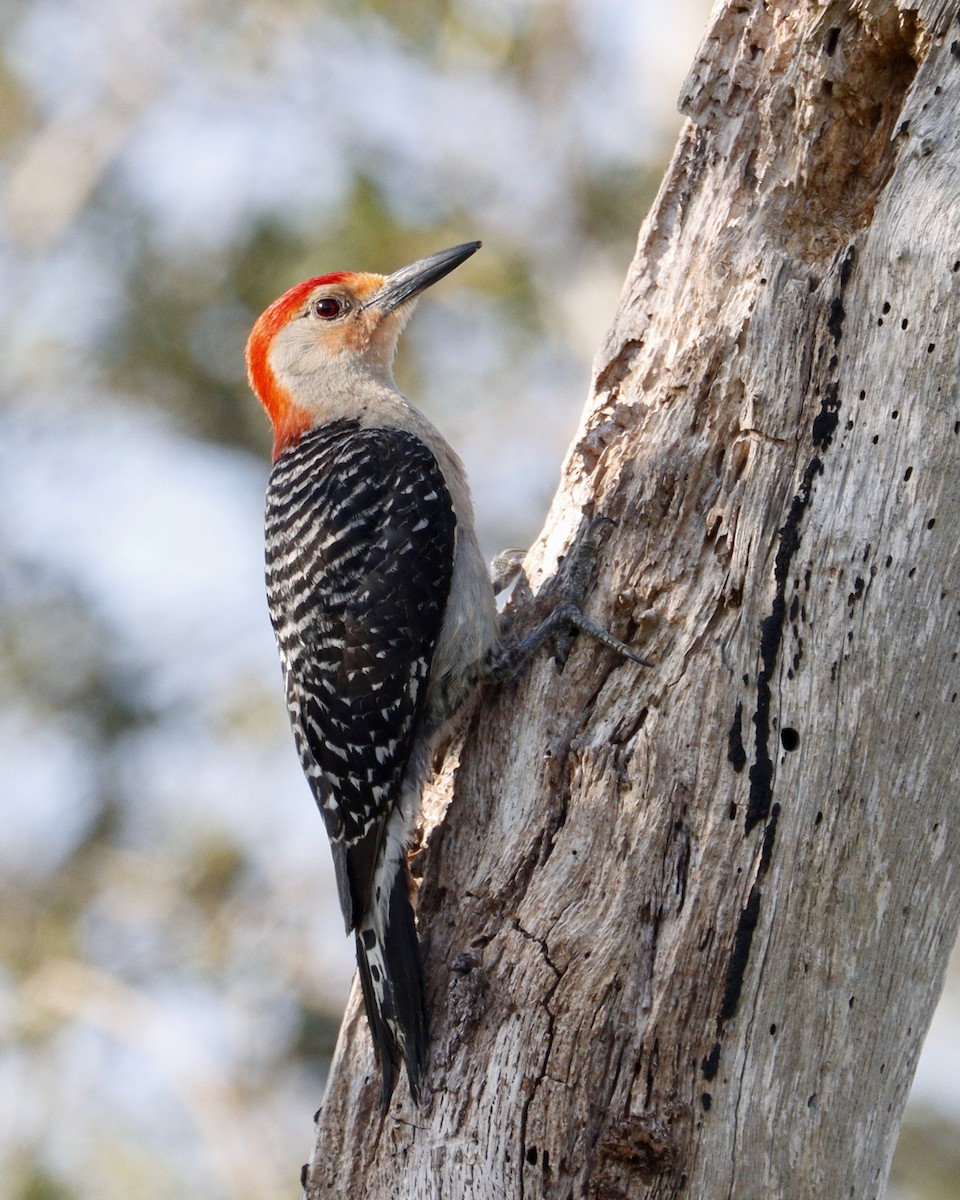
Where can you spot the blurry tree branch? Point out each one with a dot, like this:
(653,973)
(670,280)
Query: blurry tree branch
(685,928)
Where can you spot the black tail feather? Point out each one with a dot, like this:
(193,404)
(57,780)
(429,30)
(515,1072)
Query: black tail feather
(396,1005)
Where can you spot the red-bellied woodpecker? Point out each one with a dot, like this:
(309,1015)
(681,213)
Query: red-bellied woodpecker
(382,606)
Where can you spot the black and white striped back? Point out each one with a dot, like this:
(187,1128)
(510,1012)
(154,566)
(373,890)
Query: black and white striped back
(360,535)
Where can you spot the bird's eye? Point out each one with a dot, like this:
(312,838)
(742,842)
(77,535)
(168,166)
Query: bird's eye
(327,307)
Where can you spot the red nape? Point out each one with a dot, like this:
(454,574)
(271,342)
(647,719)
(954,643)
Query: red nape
(289,421)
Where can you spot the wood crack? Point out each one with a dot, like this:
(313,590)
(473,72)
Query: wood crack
(542,1074)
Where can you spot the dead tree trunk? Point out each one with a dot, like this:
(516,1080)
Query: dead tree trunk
(685,927)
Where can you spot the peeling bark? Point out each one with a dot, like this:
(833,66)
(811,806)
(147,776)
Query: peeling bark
(685,928)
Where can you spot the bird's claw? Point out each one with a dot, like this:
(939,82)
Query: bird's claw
(582,561)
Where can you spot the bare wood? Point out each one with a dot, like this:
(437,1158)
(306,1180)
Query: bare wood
(685,927)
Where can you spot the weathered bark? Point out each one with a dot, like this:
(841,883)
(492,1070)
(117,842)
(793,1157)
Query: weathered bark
(685,927)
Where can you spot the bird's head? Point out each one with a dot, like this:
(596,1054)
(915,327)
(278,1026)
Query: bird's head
(319,339)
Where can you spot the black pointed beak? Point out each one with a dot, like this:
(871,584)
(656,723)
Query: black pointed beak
(409,281)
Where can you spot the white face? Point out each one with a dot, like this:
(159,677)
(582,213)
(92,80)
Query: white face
(335,334)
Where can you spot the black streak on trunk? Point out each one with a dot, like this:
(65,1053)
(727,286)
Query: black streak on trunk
(771,633)
(760,806)
(736,755)
(741,954)
(771,629)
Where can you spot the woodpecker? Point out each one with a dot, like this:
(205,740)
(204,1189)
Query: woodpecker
(383,610)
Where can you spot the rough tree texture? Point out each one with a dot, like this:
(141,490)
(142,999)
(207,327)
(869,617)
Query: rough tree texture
(684,928)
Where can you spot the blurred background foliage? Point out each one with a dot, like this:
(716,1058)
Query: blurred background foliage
(172,965)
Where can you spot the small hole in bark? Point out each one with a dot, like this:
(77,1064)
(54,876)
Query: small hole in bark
(789,738)
(907,473)
(931,522)
(531,1156)
(833,36)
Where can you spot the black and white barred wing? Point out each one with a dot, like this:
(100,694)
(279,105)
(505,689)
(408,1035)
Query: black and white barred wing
(360,534)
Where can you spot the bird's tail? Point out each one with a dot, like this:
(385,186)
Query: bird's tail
(391,975)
